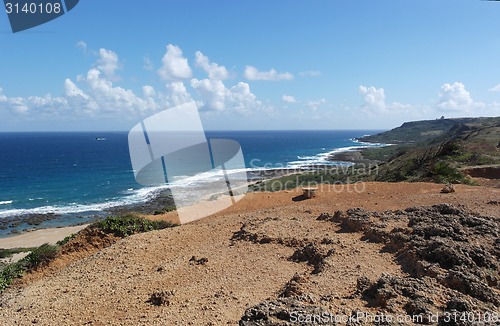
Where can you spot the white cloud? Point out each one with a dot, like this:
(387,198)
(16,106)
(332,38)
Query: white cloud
(495,88)
(213,70)
(178,93)
(375,103)
(454,101)
(242,100)
(3,98)
(108,63)
(72,90)
(175,67)
(43,105)
(252,73)
(93,95)
(373,97)
(217,97)
(112,99)
(288,99)
(213,93)
(313,105)
(77,98)
(148,91)
(310,73)
(454,97)
(96,95)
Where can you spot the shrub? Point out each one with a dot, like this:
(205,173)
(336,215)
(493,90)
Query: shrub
(165,210)
(4,253)
(123,226)
(66,239)
(444,172)
(40,256)
(9,273)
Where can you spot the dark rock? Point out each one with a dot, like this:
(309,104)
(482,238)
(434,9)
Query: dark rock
(313,255)
(161,298)
(282,312)
(196,261)
(464,281)
(293,287)
(355,220)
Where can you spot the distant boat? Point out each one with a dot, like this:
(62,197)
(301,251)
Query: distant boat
(100,139)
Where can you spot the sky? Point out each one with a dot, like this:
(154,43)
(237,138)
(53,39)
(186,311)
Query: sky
(251,65)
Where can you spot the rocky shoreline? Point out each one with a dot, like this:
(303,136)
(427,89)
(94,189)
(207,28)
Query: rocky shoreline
(355,156)
(160,202)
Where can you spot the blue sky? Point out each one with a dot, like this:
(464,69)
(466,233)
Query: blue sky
(106,65)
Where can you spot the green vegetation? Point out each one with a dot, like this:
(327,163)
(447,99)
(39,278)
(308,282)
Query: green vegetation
(38,257)
(334,175)
(5,253)
(426,130)
(9,274)
(433,151)
(66,239)
(123,226)
(438,154)
(165,210)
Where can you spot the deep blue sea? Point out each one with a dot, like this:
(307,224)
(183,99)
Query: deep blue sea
(74,174)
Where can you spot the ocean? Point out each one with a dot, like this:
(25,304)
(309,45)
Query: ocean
(77,175)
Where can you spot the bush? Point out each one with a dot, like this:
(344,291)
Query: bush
(444,172)
(165,210)
(124,226)
(9,273)
(4,253)
(40,256)
(66,239)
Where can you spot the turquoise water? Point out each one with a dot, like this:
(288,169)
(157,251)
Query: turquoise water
(76,174)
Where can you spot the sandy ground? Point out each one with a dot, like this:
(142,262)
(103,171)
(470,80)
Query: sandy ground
(210,277)
(39,237)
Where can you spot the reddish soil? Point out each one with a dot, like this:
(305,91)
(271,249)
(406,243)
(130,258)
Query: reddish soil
(211,271)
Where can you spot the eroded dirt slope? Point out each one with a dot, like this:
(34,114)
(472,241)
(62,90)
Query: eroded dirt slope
(270,251)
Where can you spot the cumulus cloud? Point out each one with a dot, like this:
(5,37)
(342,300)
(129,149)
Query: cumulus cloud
(454,97)
(213,70)
(375,103)
(92,95)
(45,105)
(112,98)
(373,97)
(252,73)
(174,66)
(177,93)
(217,97)
(108,63)
(310,73)
(96,94)
(495,88)
(213,93)
(288,99)
(148,91)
